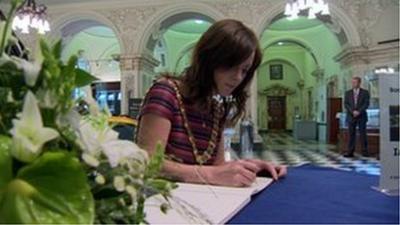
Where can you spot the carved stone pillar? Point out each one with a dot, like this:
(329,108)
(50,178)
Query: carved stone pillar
(252,108)
(300,85)
(133,69)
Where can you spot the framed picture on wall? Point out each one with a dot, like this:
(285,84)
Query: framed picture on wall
(276,72)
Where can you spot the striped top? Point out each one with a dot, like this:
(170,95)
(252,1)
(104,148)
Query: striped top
(162,101)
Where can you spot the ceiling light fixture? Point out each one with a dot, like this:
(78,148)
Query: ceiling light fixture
(314,7)
(199,21)
(29,15)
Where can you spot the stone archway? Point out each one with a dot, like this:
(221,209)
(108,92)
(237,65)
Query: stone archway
(342,19)
(79,32)
(76,16)
(268,89)
(300,42)
(182,53)
(154,25)
(338,14)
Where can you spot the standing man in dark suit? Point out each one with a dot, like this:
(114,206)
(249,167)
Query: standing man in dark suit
(356,102)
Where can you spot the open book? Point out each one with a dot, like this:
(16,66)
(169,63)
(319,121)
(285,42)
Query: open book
(202,204)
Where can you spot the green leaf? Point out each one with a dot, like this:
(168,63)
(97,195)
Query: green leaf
(69,69)
(83,78)
(156,162)
(16,2)
(5,161)
(11,76)
(160,186)
(53,189)
(57,48)
(45,48)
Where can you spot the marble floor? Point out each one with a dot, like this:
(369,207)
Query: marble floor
(284,149)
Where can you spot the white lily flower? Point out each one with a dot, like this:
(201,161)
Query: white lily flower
(46,98)
(4,59)
(28,132)
(72,119)
(90,160)
(92,138)
(118,150)
(97,140)
(31,70)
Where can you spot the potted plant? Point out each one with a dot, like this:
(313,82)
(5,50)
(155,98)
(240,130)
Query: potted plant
(57,165)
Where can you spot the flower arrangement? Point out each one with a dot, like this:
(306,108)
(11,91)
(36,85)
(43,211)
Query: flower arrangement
(58,165)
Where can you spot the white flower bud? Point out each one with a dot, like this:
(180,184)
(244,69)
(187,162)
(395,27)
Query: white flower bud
(131,191)
(90,160)
(119,183)
(100,179)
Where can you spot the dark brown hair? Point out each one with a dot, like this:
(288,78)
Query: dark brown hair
(227,43)
(357,79)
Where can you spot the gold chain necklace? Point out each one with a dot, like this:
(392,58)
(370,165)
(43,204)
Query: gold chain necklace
(218,111)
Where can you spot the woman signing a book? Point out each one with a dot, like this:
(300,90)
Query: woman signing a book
(187,114)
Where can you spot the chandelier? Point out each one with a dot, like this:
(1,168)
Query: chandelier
(294,7)
(29,15)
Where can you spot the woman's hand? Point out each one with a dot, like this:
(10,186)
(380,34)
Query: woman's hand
(276,171)
(239,173)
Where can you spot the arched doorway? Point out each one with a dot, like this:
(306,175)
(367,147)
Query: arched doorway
(278,81)
(174,42)
(310,45)
(178,36)
(78,38)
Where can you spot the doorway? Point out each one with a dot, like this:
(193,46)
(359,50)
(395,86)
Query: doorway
(276,113)
(334,106)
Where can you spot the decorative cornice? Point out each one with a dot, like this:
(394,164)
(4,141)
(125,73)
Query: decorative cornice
(318,73)
(138,62)
(361,55)
(244,10)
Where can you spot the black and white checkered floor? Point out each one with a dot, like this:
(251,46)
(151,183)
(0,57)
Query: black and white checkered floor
(284,149)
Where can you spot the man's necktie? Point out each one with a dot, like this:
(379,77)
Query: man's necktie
(355,97)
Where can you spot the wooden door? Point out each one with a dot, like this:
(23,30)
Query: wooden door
(334,106)
(276,113)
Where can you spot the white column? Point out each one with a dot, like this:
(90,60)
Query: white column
(253,106)
(133,68)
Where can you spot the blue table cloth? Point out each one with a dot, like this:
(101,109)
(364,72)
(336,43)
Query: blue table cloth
(311,194)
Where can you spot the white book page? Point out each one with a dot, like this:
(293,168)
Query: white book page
(195,208)
(259,185)
(199,204)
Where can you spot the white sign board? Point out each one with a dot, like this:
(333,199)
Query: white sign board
(389,132)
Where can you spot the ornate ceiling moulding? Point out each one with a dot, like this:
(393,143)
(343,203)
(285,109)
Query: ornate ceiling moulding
(360,55)
(318,73)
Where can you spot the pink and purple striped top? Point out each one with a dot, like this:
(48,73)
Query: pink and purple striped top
(161,100)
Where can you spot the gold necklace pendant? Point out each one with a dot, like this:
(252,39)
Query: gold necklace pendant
(203,157)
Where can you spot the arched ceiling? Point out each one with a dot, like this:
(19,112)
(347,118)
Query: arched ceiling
(188,22)
(75,27)
(281,24)
(191,26)
(291,43)
(301,23)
